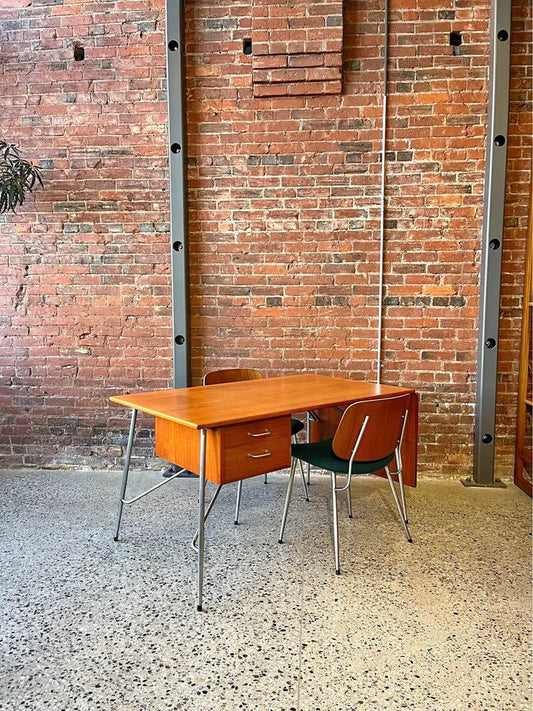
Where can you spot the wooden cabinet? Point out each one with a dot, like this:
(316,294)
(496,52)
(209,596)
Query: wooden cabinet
(522,470)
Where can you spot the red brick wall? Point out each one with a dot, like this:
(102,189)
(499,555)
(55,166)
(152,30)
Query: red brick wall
(85,266)
(284,218)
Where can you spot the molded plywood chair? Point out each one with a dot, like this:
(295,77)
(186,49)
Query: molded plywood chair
(368,438)
(232,375)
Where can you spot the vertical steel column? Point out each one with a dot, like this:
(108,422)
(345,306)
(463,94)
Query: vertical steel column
(177,140)
(492,242)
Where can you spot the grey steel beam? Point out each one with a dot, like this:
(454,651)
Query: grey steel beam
(492,242)
(177,152)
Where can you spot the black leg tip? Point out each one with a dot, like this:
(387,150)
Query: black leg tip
(337,571)
(350,515)
(236,523)
(406,522)
(199,608)
(409,540)
(307,498)
(280,540)
(115,538)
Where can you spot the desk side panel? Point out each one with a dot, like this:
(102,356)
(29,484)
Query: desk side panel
(180,445)
(327,423)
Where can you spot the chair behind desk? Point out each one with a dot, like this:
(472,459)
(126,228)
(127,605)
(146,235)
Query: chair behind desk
(231,375)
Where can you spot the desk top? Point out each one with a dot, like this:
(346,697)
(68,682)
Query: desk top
(209,406)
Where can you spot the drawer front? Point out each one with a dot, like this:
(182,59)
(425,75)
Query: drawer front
(255,448)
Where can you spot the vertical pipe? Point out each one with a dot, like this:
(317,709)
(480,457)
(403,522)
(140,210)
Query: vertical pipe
(383,176)
(177,141)
(492,242)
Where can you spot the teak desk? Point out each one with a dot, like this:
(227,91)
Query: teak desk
(233,431)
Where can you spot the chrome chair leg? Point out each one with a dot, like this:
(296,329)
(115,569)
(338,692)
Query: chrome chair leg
(125,472)
(266,479)
(335,523)
(238,503)
(349,498)
(287,500)
(398,506)
(402,493)
(304,483)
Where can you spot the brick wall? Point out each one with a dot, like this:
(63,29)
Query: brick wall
(85,266)
(284,216)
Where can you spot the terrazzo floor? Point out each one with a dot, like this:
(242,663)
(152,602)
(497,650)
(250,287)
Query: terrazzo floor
(443,624)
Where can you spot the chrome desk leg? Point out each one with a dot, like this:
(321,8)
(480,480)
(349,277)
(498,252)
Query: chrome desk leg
(125,471)
(308,439)
(287,500)
(238,504)
(208,511)
(201,520)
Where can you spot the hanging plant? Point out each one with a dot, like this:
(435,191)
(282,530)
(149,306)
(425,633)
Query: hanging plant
(17,177)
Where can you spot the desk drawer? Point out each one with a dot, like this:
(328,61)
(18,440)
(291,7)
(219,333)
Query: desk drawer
(255,448)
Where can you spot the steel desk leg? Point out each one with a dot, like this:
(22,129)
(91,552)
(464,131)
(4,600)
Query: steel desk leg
(125,471)
(308,439)
(201,519)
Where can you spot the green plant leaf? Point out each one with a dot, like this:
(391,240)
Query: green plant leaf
(17,177)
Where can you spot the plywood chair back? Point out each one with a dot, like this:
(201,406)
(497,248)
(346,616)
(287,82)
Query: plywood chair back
(382,433)
(231,375)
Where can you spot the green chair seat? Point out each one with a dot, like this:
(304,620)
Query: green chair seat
(296,426)
(321,455)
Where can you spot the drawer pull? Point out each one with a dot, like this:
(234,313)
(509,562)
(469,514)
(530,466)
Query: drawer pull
(260,456)
(259,434)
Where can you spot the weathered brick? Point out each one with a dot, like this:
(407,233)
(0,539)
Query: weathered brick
(298,38)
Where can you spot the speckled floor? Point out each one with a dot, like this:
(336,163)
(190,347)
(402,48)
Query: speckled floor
(443,624)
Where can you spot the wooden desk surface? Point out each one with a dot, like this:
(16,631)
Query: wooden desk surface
(209,406)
